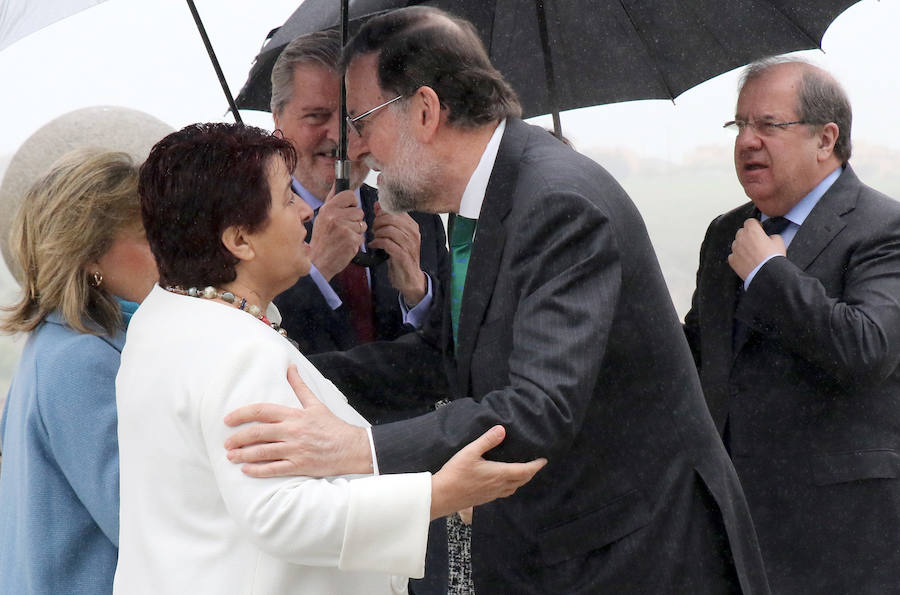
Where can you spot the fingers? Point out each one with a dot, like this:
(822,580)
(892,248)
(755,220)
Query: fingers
(271,469)
(256,449)
(272,429)
(345,198)
(264,412)
(515,475)
(306,397)
(753,224)
(485,442)
(465,515)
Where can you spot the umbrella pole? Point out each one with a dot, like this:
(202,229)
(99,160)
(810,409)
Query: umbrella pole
(548,66)
(215,62)
(342,164)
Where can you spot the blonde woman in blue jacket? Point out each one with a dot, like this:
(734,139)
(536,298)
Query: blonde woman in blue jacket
(85,265)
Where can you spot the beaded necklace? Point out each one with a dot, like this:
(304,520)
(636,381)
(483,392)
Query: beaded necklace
(212,293)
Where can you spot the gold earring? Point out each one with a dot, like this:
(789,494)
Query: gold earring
(96,278)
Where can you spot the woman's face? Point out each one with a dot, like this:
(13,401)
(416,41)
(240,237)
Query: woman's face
(128,267)
(281,252)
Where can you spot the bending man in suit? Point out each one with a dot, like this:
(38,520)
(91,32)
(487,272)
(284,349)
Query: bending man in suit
(565,331)
(340,304)
(797,338)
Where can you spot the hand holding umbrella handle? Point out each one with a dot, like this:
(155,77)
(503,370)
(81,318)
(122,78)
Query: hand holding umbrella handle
(341,183)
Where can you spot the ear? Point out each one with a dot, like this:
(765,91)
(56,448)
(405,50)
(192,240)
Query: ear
(275,119)
(238,242)
(426,111)
(827,137)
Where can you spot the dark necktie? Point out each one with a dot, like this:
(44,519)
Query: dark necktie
(358,298)
(461,235)
(775,225)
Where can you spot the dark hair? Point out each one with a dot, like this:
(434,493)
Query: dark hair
(321,48)
(196,183)
(423,46)
(821,99)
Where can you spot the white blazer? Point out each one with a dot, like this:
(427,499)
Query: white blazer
(192,522)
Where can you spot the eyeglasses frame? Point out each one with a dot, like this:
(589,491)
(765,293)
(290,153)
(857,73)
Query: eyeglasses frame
(770,126)
(351,122)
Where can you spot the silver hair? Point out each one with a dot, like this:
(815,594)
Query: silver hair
(821,99)
(320,48)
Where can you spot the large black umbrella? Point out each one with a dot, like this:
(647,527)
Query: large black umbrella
(565,54)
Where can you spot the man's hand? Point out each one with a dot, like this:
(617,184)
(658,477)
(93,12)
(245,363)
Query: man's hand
(286,441)
(399,236)
(468,479)
(338,232)
(751,246)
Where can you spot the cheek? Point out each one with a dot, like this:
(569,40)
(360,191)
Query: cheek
(141,259)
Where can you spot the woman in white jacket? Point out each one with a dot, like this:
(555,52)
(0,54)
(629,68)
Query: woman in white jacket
(227,232)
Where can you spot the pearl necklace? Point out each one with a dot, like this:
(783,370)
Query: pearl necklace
(212,293)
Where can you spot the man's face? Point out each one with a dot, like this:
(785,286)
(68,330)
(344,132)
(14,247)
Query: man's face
(310,122)
(780,167)
(408,175)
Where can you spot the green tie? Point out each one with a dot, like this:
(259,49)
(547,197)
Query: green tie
(460,248)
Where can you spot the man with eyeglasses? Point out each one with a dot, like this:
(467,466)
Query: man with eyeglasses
(795,329)
(559,326)
(342,304)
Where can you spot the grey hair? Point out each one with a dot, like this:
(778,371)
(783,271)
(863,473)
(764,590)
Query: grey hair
(321,48)
(821,99)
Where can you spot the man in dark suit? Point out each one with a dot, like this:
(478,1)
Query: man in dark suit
(797,338)
(565,334)
(341,304)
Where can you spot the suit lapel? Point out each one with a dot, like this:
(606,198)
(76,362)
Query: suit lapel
(487,250)
(825,221)
(723,306)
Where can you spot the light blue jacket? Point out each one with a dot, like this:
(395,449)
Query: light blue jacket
(59,479)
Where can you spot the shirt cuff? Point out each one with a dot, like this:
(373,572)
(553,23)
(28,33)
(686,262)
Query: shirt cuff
(372,448)
(756,270)
(416,316)
(325,288)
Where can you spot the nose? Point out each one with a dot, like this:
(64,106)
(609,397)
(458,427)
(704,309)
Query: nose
(331,126)
(357,147)
(747,139)
(306,211)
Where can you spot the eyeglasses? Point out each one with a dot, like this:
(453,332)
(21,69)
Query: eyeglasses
(763,128)
(357,126)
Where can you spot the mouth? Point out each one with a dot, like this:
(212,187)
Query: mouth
(754,166)
(327,154)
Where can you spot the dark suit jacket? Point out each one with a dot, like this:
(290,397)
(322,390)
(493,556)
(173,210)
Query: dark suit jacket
(812,397)
(568,338)
(311,322)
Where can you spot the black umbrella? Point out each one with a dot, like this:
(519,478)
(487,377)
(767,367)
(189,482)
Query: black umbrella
(565,54)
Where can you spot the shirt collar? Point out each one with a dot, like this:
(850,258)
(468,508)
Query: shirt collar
(311,199)
(473,196)
(801,210)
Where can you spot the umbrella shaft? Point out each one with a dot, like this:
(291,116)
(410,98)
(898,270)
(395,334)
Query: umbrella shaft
(215,62)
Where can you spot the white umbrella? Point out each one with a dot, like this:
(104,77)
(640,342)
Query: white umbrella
(19,18)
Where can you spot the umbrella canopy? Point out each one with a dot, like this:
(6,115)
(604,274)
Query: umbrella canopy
(19,18)
(595,51)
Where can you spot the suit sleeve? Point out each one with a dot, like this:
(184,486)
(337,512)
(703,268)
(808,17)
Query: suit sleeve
(389,380)
(548,336)
(692,318)
(854,336)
